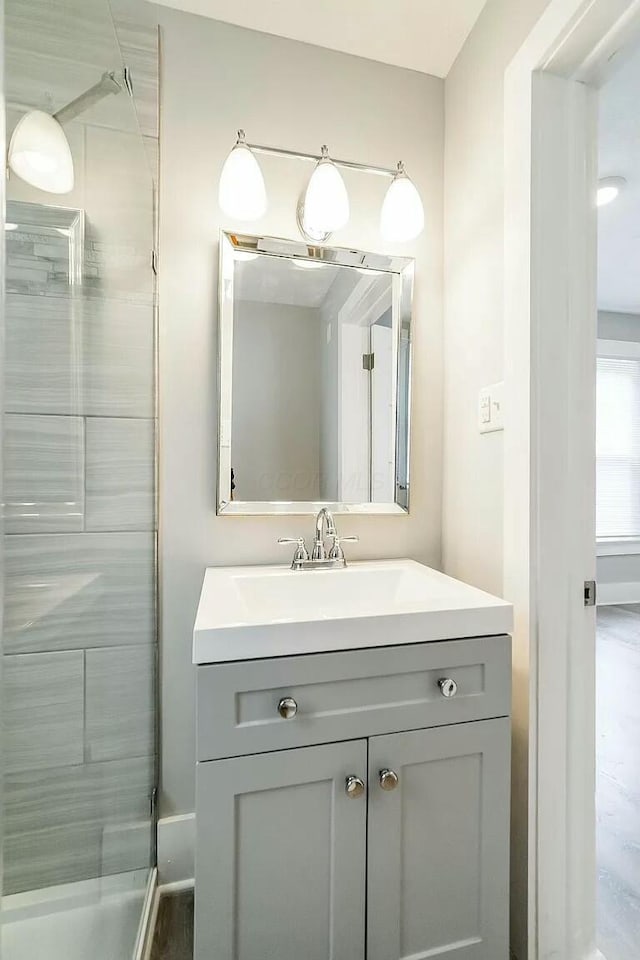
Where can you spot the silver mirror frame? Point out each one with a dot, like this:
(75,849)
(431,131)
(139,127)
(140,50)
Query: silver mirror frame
(402,270)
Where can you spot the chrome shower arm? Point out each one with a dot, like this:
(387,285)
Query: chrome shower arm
(107,85)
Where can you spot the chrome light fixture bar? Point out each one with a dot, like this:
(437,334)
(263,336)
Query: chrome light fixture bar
(317,157)
(324,207)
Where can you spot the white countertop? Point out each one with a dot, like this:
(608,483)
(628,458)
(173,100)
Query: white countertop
(248,613)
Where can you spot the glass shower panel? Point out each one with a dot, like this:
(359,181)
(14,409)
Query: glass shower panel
(79,656)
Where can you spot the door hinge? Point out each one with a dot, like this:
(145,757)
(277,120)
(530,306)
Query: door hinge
(154,261)
(590,593)
(368,361)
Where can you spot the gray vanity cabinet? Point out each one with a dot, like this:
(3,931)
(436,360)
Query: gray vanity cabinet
(438,843)
(328,783)
(281,855)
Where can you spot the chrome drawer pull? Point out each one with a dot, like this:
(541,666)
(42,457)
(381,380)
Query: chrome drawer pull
(287,708)
(354,787)
(448,687)
(388,779)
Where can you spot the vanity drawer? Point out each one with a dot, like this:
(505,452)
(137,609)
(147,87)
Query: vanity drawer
(347,695)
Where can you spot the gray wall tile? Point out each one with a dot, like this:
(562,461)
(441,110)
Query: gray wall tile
(93,357)
(120,702)
(126,847)
(118,359)
(43,473)
(120,479)
(43,710)
(68,591)
(121,218)
(139,44)
(64,50)
(42,339)
(116,792)
(43,858)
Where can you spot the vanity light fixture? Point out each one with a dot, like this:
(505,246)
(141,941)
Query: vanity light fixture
(39,152)
(402,214)
(324,208)
(326,201)
(608,189)
(242,194)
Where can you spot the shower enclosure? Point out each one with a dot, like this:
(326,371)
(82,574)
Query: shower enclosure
(79,491)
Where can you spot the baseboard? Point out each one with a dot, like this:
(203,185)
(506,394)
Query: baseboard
(176,851)
(612,593)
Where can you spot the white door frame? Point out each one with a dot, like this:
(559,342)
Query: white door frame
(550,317)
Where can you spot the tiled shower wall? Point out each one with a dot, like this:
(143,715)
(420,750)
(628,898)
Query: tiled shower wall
(79,695)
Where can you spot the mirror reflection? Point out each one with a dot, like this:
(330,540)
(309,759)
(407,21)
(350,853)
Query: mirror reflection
(314,379)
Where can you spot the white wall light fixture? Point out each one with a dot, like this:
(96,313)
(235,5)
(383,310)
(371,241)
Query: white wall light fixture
(609,189)
(242,193)
(326,201)
(39,152)
(324,208)
(402,214)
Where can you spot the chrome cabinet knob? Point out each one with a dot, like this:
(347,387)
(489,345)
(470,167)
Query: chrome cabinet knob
(448,687)
(287,708)
(388,779)
(354,787)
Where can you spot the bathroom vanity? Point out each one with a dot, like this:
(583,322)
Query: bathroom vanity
(353,746)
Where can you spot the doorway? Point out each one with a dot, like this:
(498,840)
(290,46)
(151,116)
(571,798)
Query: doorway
(551,174)
(618,515)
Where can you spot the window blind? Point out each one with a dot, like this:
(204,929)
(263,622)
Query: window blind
(618,448)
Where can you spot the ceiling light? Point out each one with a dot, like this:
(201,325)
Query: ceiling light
(608,189)
(242,194)
(326,202)
(402,216)
(39,153)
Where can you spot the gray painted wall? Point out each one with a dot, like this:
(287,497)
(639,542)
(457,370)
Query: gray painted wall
(624,568)
(618,326)
(474,351)
(215,79)
(275,433)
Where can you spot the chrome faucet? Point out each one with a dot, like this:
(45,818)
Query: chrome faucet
(324,517)
(320,559)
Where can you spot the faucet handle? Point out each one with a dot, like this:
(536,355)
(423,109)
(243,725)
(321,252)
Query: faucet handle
(336,552)
(301,547)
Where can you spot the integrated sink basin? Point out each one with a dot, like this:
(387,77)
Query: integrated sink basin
(254,612)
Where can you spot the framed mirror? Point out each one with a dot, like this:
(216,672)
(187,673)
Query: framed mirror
(314,378)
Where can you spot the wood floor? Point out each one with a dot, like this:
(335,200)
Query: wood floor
(618,802)
(173,937)
(618,781)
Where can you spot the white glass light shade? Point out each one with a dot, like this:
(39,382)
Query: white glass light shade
(609,189)
(326,201)
(39,153)
(402,215)
(242,194)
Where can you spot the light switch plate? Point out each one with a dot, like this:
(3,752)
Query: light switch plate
(490,409)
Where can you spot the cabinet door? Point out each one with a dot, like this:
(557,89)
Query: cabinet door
(280,856)
(438,847)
